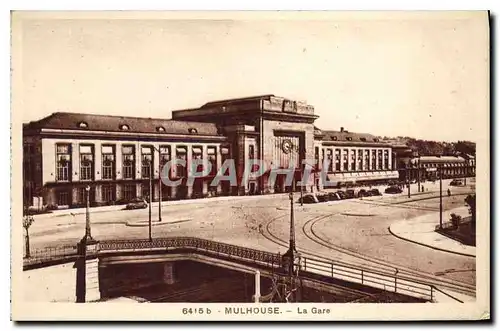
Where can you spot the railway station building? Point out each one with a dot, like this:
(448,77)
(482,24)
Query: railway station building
(121,157)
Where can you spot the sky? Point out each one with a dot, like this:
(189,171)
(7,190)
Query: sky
(423,75)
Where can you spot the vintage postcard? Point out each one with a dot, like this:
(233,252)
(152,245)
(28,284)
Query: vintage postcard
(250,166)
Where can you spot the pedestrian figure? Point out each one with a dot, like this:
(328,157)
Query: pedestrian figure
(449,193)
(423,189)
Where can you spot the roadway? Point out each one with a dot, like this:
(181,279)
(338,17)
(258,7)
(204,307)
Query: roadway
(352,231)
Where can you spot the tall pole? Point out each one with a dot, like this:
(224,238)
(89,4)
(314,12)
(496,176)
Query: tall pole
(466,169)
(87,215)
(440,198)
(302,188)
(159,187)
(150,196)
(292,224)
(418,173)
(408,178)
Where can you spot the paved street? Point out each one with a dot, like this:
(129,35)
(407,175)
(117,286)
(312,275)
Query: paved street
(353,231)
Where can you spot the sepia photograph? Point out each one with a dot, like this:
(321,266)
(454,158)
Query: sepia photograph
(250,165)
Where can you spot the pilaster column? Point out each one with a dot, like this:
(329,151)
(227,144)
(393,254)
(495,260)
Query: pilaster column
(75,162)
(97,161)
(118,161)
(173,172)
(189,162)
(138,157)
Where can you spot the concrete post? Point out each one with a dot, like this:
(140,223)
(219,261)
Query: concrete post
(168,273)
(87,273)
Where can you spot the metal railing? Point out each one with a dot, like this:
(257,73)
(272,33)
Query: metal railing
(381,280)
(384,281)
(50,254)
(198,244)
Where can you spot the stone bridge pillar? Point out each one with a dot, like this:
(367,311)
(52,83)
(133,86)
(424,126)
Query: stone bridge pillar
(87,272)
(168,273)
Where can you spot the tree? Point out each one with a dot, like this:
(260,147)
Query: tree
(470,200)
(27,221)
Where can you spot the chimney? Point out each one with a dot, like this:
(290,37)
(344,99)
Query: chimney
(341,129)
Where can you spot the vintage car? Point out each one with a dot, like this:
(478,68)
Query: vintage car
(137,203)
(341,194)
(334,196)
(350,194)
(322,196)
(374,192)
(456,182)
(309,198)
(393,189)
(363,193)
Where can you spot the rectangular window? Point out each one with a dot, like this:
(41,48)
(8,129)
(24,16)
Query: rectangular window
(386,159)
(81,195)
(108,162)
(225,152)
(329,159)
(367,159)
(197,154)
(146,161)
(62,198)
(345,159)
(316,156)
(108,193)
(212,158)
(145,192)
(86,162)
(353,160)
(337,159)
(129,192)
(63,162)
(374,159)
(128,166)
(181,154)
(379,155)
(165,157)
(360,159)
(251,152)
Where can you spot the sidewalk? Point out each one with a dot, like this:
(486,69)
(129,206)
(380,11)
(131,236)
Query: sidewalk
(420,230)
(93,210)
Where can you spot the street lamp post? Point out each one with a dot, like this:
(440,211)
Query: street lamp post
(440,197)
(88,235)
(150,196)
(408,178)
(418,173)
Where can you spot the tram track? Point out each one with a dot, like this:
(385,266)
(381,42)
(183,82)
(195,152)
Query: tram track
(375,264)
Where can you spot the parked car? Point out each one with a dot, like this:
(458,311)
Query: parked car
(457,182)
(363,193)
(137,203)
(309,198)
(341,194)
(350,194)
(374,192)
(333,196)
(322,196)
(393,189)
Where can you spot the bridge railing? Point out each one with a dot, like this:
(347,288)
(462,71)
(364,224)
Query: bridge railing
(385,281)
(382,280)
(218,248)
(49,254)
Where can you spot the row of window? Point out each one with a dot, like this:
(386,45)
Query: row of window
(128,166)
(342,160)
(436,165)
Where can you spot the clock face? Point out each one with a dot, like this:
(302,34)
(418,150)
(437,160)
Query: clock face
(286,146)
